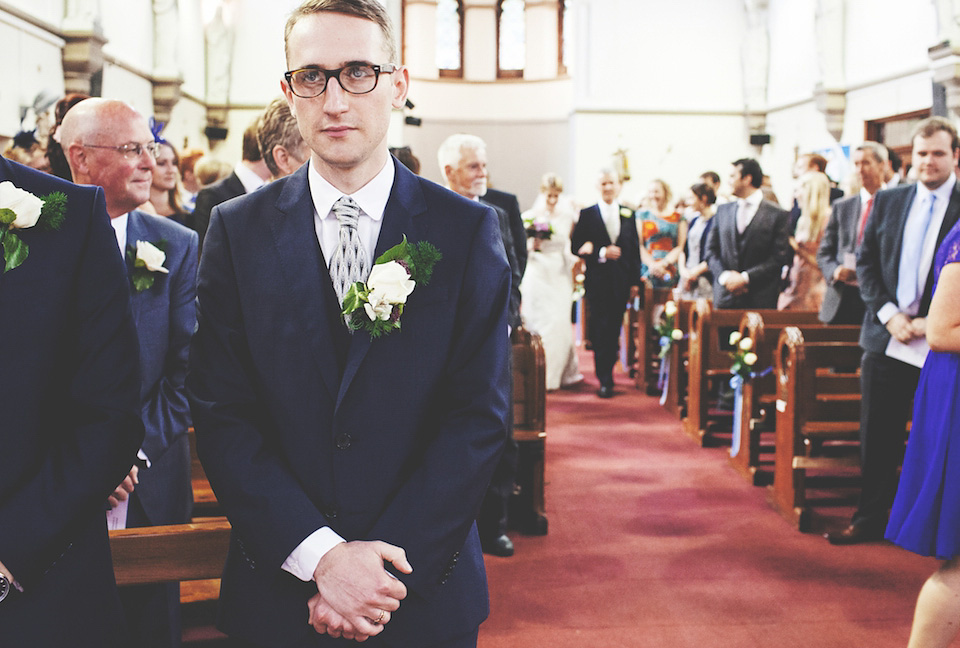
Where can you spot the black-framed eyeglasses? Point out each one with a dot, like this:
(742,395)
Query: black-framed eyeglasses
(357,78)
(132,150)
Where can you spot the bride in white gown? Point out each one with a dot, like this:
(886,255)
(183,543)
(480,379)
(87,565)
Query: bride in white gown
(547,286)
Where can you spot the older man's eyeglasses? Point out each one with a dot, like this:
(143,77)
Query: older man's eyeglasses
(359,78)
(132,150)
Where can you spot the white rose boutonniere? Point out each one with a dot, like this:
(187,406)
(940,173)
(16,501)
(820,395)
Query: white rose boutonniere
(148,259)
(20,210)
(394,276)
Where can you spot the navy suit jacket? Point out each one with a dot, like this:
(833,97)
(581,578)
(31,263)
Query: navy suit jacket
(165,316)
(839,239)
(761,251)
(878,261)
(301,425)
(608,284)
(210,197)
(69,420)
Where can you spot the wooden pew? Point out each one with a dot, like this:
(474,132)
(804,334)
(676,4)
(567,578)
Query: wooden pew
(709,360)
(528,507)
(204,501)
(178,552)
(817,410)
(645,338)
(760,394)
(676,398)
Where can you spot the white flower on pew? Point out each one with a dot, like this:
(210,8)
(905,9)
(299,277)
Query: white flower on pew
(746,344)
(750,359)
(677,334)
(670,308)
(734,338)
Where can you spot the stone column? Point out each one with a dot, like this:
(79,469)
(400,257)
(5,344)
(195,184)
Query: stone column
(420,38)
(543,45)
(945,56)
(83,49)
(755,62)
(480,40)
(830,93)
(218,41)
(166,69)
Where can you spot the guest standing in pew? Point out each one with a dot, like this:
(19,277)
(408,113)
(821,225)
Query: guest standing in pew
(606,238)
(926,512)
(749,244)
(694,272)
(351,466)
(110,145)
(69,416)
(895,271)
(806,286)
(836,255)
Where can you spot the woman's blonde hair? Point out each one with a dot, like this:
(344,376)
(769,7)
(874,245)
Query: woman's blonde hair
(814,203)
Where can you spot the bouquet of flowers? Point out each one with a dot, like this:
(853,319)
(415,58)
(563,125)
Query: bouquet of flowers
(538,228)
(743,356)
(667,329)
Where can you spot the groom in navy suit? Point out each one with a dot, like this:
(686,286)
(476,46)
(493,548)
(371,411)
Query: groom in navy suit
(351,468)
(165,317)
(69,422)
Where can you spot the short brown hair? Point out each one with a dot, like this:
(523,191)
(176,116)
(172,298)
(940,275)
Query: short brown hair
(933,125)
(251,148)
(816,160)
(278,128)
(370,10)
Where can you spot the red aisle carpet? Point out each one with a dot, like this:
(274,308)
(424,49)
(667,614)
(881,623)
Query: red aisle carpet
(654,541)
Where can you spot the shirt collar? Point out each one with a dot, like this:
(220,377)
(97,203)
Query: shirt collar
(942,192)
(371,197)
(250,180)
(120,229)
(754,199)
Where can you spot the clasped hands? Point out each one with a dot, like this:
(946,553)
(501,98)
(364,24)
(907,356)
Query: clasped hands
(904,329)
(735,283)
(356,596)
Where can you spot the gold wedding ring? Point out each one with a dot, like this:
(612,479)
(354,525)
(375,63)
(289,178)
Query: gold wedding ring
(379,618)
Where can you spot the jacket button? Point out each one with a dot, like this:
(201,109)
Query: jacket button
(344,441)
(330,513)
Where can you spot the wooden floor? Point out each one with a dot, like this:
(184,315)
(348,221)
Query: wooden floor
(654,541)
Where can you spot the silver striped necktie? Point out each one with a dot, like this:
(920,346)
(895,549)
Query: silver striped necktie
(349,263)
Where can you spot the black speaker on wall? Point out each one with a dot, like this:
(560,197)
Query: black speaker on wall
(215,133)
(759,139)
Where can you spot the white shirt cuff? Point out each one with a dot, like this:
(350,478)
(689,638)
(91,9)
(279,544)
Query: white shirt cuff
(887,311)
(745,276)
(602,254)
(722,279)
(302,561)
(142,456)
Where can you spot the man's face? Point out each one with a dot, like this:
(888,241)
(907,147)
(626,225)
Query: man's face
(126,180)
(934,158)
(165,175)
(739,184)
(869,169)
(609,187)
(469,177)
(346,132)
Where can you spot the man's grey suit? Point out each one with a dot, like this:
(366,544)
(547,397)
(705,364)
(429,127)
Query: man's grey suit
(841,301)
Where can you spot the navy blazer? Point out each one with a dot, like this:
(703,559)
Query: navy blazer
(761,251)
(210,197)
(165,316)
(839,239)
(878,261)
(608,283)
(69,420)
(398,446)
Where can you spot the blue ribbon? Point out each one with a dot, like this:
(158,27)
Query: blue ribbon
(156,127)
(737,383)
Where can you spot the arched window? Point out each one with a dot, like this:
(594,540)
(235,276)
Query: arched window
(511,38)
(450,38)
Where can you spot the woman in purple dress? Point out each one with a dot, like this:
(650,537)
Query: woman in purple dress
(926,513)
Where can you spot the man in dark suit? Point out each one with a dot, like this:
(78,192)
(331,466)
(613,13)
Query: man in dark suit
(836,255)
(509,203)
(69,421)
(749,244)
(606,238)
(895,271)
(463,162)
(281,144)
(250,174)
(165,318)
(334,453)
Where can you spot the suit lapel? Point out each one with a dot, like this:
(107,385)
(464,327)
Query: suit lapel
(730,243)
(136,231)
(406,201)
(305,272)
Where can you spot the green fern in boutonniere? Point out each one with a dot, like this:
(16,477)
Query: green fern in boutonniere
(394,276)
(20,210)
(148,259)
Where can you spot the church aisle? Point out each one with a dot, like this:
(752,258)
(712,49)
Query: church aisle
(656,542)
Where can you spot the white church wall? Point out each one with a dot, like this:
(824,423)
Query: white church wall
(128,28)
(120,82)
(32,64)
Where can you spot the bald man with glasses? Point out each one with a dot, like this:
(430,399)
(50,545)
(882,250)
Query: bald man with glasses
(110,145)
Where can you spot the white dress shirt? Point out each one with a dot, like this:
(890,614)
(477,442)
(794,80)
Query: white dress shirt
(747,209)
(250,180)
(120,229)
(372,199)
(610,213)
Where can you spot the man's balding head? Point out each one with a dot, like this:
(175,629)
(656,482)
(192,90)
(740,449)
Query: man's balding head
(92,135)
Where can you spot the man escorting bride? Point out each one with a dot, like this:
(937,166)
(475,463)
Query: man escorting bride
(547,286)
